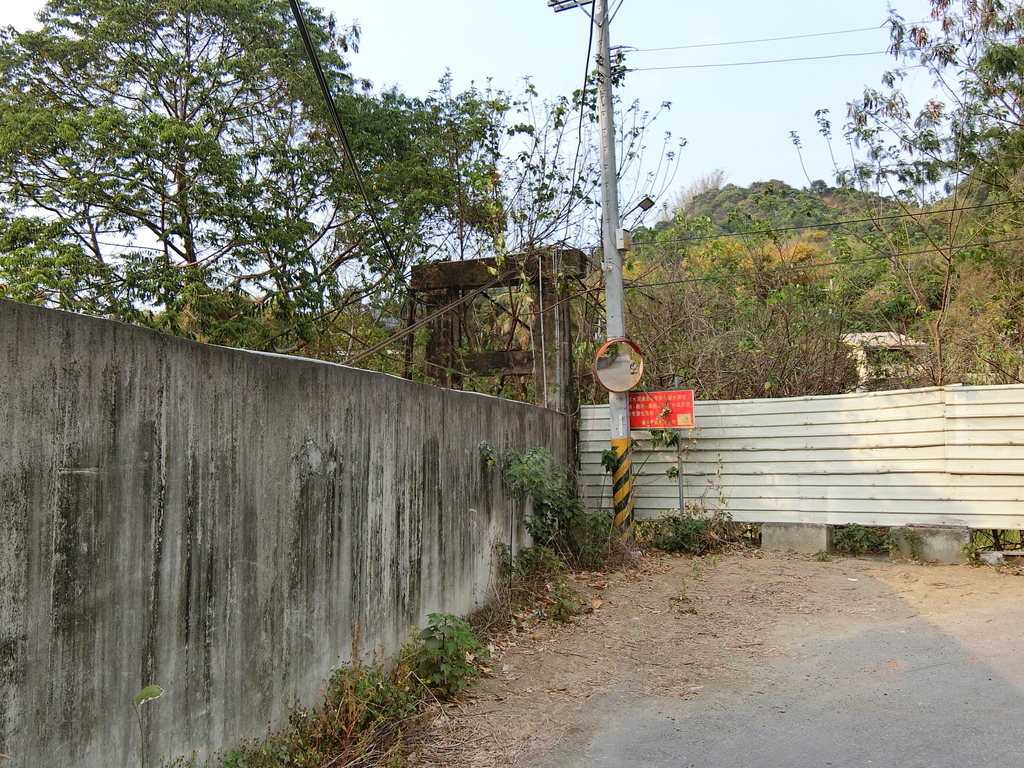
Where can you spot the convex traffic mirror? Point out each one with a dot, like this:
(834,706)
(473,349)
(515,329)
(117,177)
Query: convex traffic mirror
(619,365)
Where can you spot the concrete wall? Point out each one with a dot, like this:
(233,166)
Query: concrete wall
(223,524)
(942,456)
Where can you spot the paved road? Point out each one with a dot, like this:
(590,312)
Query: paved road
(909,692)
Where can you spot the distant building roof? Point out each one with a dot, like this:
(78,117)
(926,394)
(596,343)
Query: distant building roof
(881,339)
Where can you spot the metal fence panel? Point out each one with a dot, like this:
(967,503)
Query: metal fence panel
(937,456)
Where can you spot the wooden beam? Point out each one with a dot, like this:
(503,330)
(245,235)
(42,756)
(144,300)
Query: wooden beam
(474,273)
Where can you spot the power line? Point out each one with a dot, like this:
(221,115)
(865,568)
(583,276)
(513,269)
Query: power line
(771,39)
(872,220)
(473,294)
(755,63)
(332,109)
(761,40)
(583,101)
(819,265)
(422,321)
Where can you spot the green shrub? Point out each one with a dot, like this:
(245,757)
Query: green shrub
(355,722)
(442,654)
(860,540)
(359,718)
(559,521)
(694,532)
(532,583)
(532,563)
(563,602)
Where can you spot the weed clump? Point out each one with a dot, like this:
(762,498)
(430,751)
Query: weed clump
(695,532)
(444,653)
(365,710)
(532,585)
(857,540)
(357,721)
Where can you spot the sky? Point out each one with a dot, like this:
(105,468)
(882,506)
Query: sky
(737,119)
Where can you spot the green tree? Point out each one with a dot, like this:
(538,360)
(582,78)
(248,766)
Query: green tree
(954,168)
(157,162)
(738,317)
(169,162)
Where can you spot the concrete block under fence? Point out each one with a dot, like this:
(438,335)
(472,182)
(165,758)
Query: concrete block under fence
(806,538)
(937,543)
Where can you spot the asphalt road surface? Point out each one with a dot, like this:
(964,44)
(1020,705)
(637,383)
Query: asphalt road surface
(924,690)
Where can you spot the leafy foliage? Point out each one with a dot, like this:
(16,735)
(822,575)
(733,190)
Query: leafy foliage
(563,602)
(693,532)
(148,693)
(768,313)
(364,707)
(566,537)
(534,585)
(558,520)
(356,722)
(444,653)
(171,164)
(859,540)
(956,162)
(765,206)
(161,155)
(740,317)
(920,236)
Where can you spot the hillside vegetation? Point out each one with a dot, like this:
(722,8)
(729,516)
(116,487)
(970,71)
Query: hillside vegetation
(748,292)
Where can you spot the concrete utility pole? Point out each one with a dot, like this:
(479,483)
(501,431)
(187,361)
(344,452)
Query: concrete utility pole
(614,298)
(613,241)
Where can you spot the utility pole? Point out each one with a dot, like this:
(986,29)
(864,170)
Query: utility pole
(613,242)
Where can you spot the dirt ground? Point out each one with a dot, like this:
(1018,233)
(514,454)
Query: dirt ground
(679,627)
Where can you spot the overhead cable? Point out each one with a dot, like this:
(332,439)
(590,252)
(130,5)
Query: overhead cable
(772,39)
(755,63)
(871,220)
(819,265)
(579,131)
(761,40)
(332,109)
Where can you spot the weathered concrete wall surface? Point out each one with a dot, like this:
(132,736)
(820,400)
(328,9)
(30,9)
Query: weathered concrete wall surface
(222,524)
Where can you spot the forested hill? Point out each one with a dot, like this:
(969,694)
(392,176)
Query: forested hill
(776,205)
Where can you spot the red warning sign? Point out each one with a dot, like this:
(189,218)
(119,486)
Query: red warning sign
(661,410)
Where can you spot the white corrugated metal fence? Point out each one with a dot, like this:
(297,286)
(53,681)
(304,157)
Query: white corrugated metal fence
(939,456)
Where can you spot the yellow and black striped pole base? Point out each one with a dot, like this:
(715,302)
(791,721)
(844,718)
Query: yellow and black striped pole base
(622,488)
